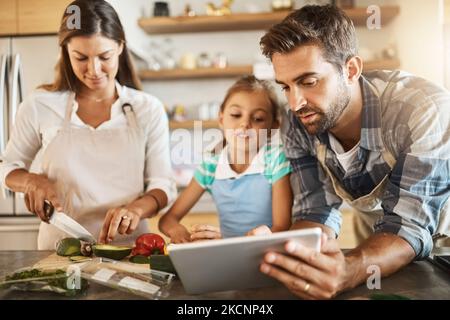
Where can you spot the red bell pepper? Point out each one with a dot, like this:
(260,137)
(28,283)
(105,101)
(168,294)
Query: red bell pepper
(148,244)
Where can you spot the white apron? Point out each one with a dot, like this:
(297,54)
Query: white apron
(368,207)
(94,170)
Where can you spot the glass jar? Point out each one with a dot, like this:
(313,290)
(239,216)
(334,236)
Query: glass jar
(161,9)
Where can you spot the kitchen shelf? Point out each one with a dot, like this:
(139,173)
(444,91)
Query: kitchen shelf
(359,15)
(233,22)
(236,71)
(189,124)
(244,21)
(383,64)
(199,73)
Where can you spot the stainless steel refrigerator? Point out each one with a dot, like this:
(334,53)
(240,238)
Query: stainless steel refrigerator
(25,63)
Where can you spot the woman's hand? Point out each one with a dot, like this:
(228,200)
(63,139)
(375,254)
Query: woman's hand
(37,189)
(179,234)
(124,220)
(205,232)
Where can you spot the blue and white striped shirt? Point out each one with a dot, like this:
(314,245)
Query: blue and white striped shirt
(411,118)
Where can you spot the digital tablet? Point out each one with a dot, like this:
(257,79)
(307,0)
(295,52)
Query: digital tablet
(233,263)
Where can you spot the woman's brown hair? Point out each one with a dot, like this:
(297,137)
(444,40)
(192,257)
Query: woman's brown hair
(96,17)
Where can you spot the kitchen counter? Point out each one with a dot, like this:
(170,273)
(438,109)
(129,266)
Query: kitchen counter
(419,280)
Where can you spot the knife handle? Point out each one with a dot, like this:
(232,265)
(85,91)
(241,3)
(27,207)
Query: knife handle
(48,209)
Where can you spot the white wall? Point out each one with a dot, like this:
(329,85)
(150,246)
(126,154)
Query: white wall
(417,33)
(239,47)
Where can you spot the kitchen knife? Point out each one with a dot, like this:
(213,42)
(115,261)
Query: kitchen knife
(65,223)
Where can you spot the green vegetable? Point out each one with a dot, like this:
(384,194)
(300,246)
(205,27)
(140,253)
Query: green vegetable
(111,252)
(139,259)
(54,281)
(79,258)
(161,262)
(68,247)
(384,296)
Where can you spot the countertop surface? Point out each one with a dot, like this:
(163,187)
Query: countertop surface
(419,280)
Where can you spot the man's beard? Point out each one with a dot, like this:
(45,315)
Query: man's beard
(326,120)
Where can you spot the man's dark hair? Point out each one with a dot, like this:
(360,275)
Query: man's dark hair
(325,26)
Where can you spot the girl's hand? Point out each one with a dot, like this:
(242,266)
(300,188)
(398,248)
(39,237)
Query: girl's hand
(205,232)
(260,230)
(124,220)
(37,189)
(179,234)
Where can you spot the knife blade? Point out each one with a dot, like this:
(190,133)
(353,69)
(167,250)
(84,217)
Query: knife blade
(65,223)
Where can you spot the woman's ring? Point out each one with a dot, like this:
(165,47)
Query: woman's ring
(125,218)
(307,286)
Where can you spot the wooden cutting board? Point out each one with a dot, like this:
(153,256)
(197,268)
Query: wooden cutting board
(54,261)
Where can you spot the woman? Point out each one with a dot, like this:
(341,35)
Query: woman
(103,145)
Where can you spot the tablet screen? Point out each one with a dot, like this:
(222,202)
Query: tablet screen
(232,263)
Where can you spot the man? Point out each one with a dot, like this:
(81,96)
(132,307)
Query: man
(379,141)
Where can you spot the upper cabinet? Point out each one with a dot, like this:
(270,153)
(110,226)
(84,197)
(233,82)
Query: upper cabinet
(243,21)
(30,17)
(8,17)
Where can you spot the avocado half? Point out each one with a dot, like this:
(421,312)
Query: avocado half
(111,252)
(68,247)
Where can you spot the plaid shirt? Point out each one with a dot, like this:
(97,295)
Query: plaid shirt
(410,117)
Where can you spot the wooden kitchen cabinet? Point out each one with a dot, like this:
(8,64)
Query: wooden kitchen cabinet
(30,17)
(41,16)
(8,14)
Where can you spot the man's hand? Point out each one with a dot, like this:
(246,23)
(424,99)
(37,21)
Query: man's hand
(307,273)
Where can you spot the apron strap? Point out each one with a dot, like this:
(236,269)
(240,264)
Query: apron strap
(388,157)
(126,108)
(386,154)
(321,150)
(69,108)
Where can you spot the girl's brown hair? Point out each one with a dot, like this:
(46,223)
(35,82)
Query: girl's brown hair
(96,17)
(251,84)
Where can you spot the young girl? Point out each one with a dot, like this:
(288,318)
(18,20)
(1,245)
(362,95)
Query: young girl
(248,179)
